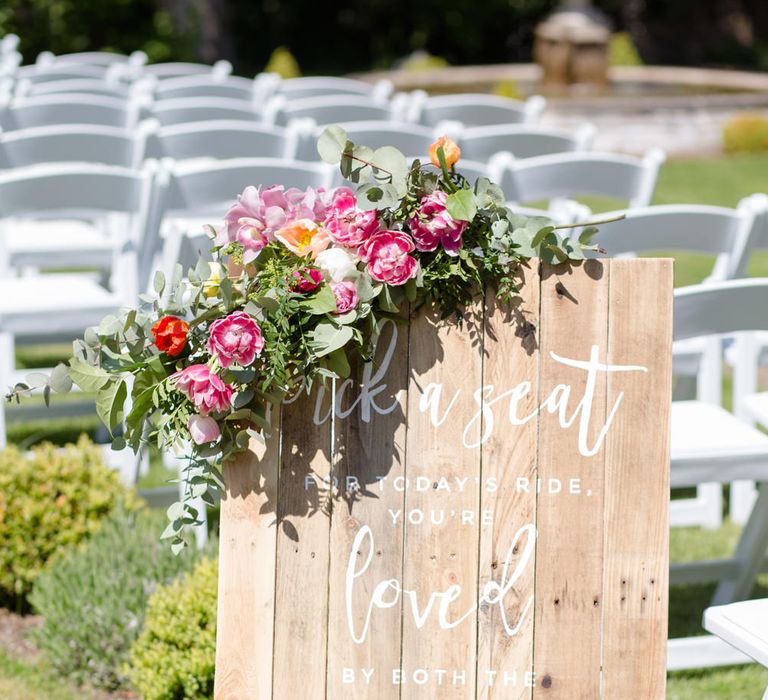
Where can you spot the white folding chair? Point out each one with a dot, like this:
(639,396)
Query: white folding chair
(74,143)
(744,626)
(409,139)
(710,444)
(54,71)
(45,307)
(222,139)
(521,140)
(473,109)
(207,85)
(707,230)
(322,86)
(53,109)
(332,109)
(164,71)
(187,110)
(83,86)
(572,174)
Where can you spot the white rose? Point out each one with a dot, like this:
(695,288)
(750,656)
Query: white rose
(337,263)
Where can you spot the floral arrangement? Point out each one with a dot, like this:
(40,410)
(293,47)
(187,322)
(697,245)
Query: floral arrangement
(299,282)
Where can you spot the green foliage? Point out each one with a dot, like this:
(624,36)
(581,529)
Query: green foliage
(173,656)
(50,500)
(622,51)
(507,88)
(283,62)
(420,61)
(746,133)
(65,26)
(93,598)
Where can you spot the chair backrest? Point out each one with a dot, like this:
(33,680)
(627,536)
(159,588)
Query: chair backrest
(299,88)
(410,139)
(760,240)
(205,85)
(74,143)
(691,228)
(329,109)
(208,188)
(184,111)
(93,58)
(474,109)
(46,72)
(568,174)
(721,308)
(179,69)
(221,139)
(49,110)
(521,140)
(83,86)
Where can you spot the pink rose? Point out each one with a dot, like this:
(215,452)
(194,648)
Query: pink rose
(388,259)
(203,429)
(259,213)
(346,224)
(432,225)
(236,339)
(201,386)
(306,281)
(346,296)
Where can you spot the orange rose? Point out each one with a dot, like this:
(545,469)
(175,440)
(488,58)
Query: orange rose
(451,151)
(304,237)
(170,335)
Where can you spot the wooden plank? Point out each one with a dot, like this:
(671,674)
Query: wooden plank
(636,573)
(247,555)
(442,530)
(301,613)
(569,553)
(370,434)
(508,494)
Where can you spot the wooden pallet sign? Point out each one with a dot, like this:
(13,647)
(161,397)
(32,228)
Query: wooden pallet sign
(480,513)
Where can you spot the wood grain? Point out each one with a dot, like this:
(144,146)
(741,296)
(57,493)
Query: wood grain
(247,558)
(569,561)
(301,617)
(369,452)
(437,556)
(637,482)
(510,358)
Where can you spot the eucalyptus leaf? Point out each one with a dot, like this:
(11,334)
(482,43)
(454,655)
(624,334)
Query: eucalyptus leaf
(331,144)
(87,377)
(461,205)
(60,380)
(110,402)
(328,337)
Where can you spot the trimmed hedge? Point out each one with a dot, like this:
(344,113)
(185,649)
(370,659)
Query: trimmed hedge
(174,655)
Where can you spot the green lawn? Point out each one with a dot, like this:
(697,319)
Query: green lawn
(721,181)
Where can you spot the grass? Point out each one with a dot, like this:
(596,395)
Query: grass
(26,681)
(719,181)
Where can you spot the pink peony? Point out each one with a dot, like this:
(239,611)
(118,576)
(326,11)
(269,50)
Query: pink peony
(201,386)
(259,213)
(203,429)
(346,296)
(236,339)
(432,225)
(346,224)
(388,259)
(306,281)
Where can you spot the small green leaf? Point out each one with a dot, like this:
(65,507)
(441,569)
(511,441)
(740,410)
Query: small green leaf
(338,363)
(87,377)
(60,380)
(109,403)
(331,144)
(328,337)
(158,282)
(461,205)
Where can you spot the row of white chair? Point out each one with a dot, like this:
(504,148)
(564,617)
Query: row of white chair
(229,139)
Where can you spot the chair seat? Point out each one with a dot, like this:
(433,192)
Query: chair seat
(709,444)
(51,304)
(57,244)
(743,625)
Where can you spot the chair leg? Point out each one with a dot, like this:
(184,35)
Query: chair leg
(7,365)
(743,495)
(750,553)
(711,498)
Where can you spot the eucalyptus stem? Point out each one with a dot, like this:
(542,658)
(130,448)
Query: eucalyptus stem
(599,222)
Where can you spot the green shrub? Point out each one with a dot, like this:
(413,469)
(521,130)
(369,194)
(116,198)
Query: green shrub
(174,655)
(93,598)
(283,63)
(622,51)
(420,61)
(507,88)
(746,133)
(49,500)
